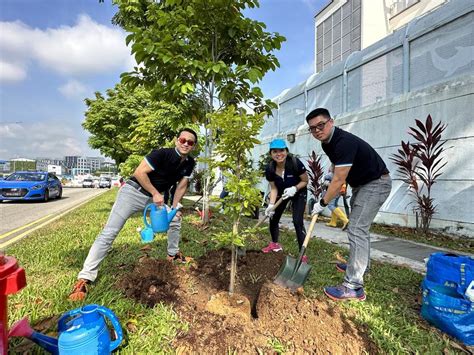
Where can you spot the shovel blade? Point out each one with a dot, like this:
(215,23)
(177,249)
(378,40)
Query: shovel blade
(291,278)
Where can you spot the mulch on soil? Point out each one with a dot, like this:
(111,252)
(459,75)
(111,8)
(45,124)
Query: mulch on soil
(219,322)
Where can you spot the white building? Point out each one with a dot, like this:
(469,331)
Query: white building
(346,26)
(426,67)
(56,169)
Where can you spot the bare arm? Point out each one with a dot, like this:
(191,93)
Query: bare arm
(141,174)
(273,192)
(180,191)
(304,181)
(339,178)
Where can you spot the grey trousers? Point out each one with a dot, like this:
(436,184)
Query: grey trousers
(129,200)
(365,203)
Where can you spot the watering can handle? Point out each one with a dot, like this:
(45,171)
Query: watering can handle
(62,320)
(115,323)
(145,221)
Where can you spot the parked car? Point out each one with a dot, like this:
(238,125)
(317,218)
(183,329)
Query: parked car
(30,185)
(87,183)
(105,183)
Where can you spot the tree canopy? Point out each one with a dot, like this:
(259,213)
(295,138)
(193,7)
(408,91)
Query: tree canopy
(126,122)
(198,50)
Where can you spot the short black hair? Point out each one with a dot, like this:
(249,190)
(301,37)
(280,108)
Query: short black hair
(320,111)
(189,130)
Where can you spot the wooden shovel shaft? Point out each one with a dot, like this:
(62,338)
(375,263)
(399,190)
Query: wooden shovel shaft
(278,203)
(310,231)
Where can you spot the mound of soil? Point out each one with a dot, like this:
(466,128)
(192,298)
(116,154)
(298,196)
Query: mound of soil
(258,317)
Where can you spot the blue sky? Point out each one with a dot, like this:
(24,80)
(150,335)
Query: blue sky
(54,53)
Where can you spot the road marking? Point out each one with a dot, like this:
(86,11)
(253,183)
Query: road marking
(16,238)
(3,236)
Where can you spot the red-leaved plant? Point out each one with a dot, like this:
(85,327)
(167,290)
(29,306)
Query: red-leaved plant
(315,173)
(422,162)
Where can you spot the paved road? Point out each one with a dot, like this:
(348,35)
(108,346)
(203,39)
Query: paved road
(17,217)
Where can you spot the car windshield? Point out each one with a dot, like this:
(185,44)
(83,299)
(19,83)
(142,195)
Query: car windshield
(26,177)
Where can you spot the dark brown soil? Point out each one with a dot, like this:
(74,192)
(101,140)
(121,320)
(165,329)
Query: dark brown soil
(259,317)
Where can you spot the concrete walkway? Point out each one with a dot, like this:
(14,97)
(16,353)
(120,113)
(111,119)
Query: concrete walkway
(386,249)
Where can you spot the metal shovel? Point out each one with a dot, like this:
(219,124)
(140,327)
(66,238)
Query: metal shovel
(293,273)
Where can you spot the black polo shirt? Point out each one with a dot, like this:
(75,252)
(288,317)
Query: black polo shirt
(168,168)
(293,169)
(346,149)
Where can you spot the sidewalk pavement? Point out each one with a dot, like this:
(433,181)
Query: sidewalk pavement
(386,249)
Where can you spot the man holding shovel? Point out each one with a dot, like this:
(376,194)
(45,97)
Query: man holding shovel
(157,172)
(358,164)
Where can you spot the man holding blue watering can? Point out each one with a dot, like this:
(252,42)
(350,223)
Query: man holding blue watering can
(158,171)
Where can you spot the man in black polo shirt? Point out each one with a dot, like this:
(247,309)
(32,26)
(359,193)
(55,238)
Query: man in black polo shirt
(358,164)
(157,172)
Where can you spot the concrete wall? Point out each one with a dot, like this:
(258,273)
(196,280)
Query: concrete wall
(421,7)
(384,124)
(374,22)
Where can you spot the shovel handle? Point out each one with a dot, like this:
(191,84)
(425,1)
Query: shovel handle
(278,203)
(310,231)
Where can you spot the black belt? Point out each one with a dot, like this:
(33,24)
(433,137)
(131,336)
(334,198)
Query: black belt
(138,187)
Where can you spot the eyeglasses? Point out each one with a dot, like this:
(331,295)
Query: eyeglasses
(319,127)
(182,140)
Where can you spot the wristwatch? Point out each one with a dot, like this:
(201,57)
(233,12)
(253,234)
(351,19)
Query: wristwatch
(322,203)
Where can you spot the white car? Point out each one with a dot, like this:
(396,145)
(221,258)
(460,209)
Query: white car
(87,183)
(105,183)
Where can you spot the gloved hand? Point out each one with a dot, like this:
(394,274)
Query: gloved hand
(318,208)
(269,212)
(289,192)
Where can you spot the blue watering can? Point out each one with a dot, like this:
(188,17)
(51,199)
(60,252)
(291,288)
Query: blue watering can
(81,331)
(159,216)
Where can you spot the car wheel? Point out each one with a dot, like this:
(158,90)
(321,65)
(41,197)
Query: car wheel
(60,194)
(46,195)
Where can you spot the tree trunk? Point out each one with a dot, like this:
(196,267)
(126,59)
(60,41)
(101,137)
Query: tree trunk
(207,181)
(233,260)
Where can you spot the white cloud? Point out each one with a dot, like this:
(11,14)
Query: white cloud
(85,48)
(10,72)
(51,138)
(74,89)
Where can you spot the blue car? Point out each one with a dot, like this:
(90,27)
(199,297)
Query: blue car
(30,185)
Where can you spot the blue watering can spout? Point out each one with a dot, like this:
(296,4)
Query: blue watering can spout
(171,214)
(22,328)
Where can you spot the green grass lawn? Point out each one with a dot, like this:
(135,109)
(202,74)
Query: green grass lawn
(53,255)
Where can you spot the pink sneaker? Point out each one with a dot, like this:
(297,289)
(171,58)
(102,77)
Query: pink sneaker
(272,247)
(304,259)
